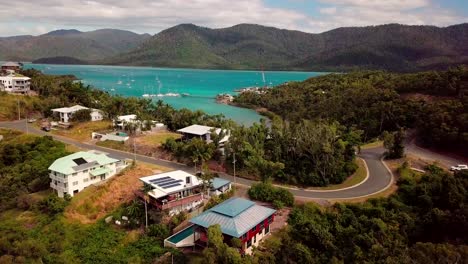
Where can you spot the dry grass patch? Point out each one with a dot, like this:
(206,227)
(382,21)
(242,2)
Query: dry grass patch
(9,106)
(96,202)
(157,138)
(82,131)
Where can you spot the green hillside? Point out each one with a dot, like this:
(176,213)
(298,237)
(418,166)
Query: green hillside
(87,46)
(245,46)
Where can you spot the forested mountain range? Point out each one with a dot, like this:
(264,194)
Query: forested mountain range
(85,46)
(245,46)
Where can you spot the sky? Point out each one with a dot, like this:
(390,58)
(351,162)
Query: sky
(35,17)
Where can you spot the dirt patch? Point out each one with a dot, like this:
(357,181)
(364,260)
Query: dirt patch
(82,131)
(96,202)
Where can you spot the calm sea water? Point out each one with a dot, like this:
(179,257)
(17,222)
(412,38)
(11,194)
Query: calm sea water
(201,85)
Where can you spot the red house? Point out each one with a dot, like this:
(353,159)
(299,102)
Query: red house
(237,217)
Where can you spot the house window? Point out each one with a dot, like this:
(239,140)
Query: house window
(255,238)
(93,177)
(85,180)
(74,174)
(249,243)
(187,180)
(75,183)
(267,229)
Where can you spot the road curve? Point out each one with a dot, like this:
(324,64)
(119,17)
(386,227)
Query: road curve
(379,176)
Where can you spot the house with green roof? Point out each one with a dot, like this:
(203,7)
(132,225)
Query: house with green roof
(237,217)
(72,173)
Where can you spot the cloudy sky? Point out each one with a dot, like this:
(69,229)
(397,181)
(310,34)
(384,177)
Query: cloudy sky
(35,17)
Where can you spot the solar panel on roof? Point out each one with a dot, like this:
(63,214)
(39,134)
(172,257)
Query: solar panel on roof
(160,179)
(80,161)
(158,182)
(171,185)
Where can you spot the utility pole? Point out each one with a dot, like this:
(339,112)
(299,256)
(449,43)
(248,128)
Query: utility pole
(134,150)
(19,113)
(234,164)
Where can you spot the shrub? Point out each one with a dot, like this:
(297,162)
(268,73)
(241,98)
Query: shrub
(52,205)
(160,231)
(266,192)
(83,115)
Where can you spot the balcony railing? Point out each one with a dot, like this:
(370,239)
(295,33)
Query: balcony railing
(171,204)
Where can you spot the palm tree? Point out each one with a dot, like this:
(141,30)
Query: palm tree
(146,189)
(134,209)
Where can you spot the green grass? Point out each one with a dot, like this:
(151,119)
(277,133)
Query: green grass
(374,144)
(156,139)
(113,145)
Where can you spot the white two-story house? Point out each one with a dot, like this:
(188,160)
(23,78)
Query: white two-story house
(65,113)
(73,173)
(15,83)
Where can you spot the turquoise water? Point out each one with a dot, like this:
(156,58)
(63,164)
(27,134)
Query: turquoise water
(201,85)
(182,235)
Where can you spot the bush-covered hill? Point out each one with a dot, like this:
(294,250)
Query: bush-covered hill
(88,46)
(392,47)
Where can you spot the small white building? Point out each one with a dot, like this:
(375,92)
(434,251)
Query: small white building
(175,191)
(66,113)
(122,120)
(73,173)
(203,132)
(15,83)
(219,186)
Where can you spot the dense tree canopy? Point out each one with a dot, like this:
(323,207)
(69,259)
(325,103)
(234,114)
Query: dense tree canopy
(433,102)
(424,222)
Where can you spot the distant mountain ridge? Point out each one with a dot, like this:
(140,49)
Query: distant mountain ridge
(246,46)
(84,46)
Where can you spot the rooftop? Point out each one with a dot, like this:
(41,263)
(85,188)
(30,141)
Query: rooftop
(170,182)
(127,117)
(218,183)
(10,64)
(80,161)
(198,130)
(72,109)
(236,216)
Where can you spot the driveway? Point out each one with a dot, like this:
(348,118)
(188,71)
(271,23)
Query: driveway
(379,176)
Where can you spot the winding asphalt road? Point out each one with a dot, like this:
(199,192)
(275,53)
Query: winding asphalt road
(379,177)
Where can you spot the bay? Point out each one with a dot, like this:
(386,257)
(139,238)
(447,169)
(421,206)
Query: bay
(201,85)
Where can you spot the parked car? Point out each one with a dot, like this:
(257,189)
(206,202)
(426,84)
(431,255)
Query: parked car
(32,120)
(459,167)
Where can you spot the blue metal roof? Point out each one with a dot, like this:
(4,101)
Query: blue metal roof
(236,216)
(233,206)
(218,183)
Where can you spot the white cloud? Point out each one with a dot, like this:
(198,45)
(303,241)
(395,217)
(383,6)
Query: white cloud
(148,15)
(328,10)
(152,16)
(376,12)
